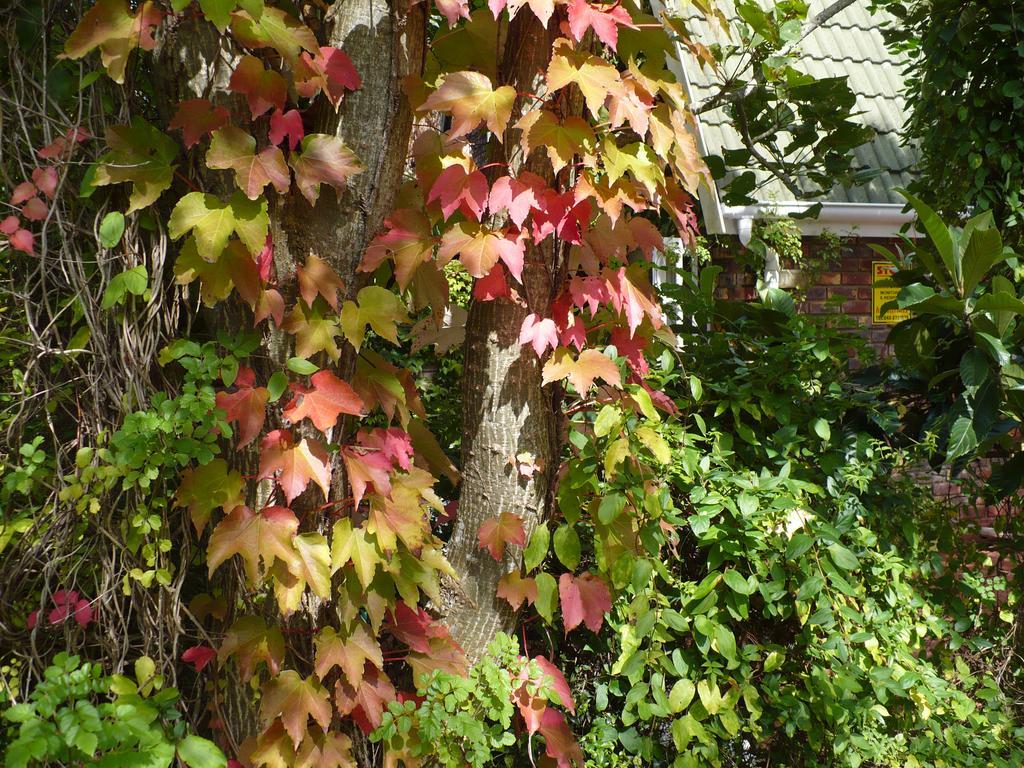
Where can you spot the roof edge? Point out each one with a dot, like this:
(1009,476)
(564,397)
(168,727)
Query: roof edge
(857,219)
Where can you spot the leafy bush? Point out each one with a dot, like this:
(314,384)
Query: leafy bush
(77,715)
(782,612)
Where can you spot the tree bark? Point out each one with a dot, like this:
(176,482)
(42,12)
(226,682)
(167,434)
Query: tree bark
(505,410)
(386,41)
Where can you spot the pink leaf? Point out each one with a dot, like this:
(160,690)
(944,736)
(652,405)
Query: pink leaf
(23,240)
(46,180)
(457,189)
(34,210)
(540,333)
(605,21)
(585,599)
(24,191)
(10,225)
(286,125)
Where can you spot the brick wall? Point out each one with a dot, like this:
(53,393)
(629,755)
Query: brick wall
(844,286)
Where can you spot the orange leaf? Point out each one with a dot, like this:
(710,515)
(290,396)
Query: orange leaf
(265,535)
(408,241)
(581,372)
(366,703)
(233,149)
(247,405)
(197,117)
(295,700)
(294,465)
(517,590)
(324,160)
(317,277)
(349,653)
(469,98)
(251,641)
(263,89)
(324,403)
(479,249)
(594,76)
(496,532)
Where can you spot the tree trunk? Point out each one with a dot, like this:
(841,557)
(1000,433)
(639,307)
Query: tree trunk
(505,410)
(386,42)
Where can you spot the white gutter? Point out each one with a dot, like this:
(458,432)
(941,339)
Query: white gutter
(858,219)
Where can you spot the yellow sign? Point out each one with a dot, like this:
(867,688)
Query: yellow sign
(882,294)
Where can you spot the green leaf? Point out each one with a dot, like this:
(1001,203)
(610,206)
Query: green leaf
(843,557)
(984,250)
(726,641)
(567,546)
(681,695)
(134,281)
(696,389)
(821,429)
(111,229)
(278,383)
(301,366)
(973,368)
(737,583)
(197,752)
(611,507)
(962,439)
(537,548)
(606,420)
(547,596)
(810,588)
(938,233)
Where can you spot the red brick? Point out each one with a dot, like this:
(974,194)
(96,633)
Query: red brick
(830,278)
(844,291)
(816,292)
(857,307)
(856,278)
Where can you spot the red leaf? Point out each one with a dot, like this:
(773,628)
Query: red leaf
(330,71)
(585,599)
(492,286)
(366,703)
(24,191)
(83,613)
(46,180)
(35,210)
(605,21)
(394,443)
(453,10)
(64,144)
(541,333)
(557,682)
(286,124)
(324,402)
(415,627)
(518,196)
(196,118)
(23,240)
(559,743)
(33,619)
(251,641)
(496,532)
(294,464)
(364,468)
(459,189)
(263,89)
(10,225)
(199,656)
(247,405)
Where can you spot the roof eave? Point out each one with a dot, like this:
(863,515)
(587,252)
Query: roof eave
(880,220)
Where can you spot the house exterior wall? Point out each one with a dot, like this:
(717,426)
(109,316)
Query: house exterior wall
(842,286)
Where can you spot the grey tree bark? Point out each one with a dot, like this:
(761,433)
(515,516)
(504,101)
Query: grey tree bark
(385,40)
(505,410)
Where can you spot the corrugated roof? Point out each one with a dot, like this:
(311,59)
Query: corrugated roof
(850,43)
